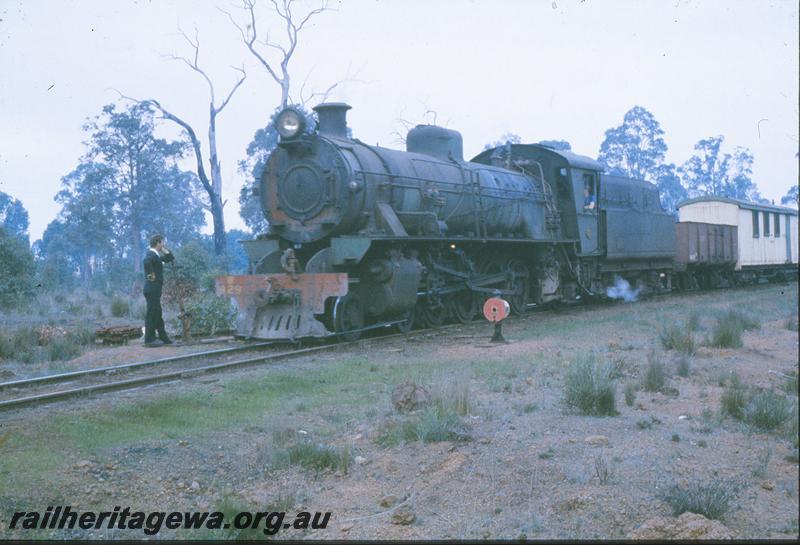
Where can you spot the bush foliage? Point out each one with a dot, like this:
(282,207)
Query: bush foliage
(17,270)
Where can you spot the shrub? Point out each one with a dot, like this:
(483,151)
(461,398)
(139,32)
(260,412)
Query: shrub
(211,314)
(767,410)
(791,323)
(734,398)
(712,499)
(62,349)
(120,307)
(590,388)
(655,376)
(21,344)
(71,345)
(675,337)
(630,394)
(683,367)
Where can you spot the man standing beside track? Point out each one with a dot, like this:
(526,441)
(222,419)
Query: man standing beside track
(156,256)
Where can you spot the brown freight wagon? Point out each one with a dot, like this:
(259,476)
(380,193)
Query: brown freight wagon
(705,244)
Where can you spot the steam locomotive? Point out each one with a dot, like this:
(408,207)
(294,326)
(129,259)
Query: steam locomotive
(362,236)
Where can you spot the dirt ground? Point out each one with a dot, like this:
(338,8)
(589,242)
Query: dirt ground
(530,467)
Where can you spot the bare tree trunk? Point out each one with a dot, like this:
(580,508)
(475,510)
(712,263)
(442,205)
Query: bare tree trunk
(220,242)
(213,187)
(220,238)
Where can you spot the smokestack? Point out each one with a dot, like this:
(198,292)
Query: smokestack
(332,119)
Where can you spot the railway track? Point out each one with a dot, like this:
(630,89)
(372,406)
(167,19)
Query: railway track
(49,388)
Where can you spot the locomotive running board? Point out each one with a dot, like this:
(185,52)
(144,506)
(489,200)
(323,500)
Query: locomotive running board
(281,306)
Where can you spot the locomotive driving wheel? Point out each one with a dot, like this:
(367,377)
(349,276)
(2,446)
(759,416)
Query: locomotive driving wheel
(463,306)
(519,283)
(431,308)
(408,322)
(348,317)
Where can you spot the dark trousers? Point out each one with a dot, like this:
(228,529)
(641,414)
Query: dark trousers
(153,321)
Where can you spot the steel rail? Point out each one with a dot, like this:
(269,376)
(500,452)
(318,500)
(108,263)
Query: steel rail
(62,377)
(150,379)
(186,373)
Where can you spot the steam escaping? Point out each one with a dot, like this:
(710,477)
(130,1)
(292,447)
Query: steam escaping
(622,290)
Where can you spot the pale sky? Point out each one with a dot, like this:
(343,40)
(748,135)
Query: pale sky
(563,69)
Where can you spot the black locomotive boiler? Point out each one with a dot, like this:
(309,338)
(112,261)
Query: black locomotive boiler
(362,236)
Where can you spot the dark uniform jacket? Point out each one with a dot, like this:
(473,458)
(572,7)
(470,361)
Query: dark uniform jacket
(154,271)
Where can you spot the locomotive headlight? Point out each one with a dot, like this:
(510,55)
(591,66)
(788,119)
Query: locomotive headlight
(290,123)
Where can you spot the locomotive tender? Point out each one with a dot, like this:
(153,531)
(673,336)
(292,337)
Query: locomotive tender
(363,236)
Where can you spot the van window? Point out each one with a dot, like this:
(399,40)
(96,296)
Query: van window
(766,224)
(755,223)
(777,224)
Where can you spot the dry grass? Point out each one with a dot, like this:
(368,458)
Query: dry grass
(590,388)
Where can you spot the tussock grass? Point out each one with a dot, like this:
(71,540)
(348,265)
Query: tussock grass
(319,457)
(452,393)
(602,470)
(763,409)
(762,464)
(679,338)
(434,424)
(727,332)
(683,367)
(655,375)
(791,323)
(790,384)
(767,410)
(441,420)
(734,398)
(590,388)
(711,499)
(745,321)
(630,394)
(230,506)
